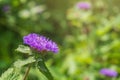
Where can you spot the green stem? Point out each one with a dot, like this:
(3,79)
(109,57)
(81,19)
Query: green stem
(27,72)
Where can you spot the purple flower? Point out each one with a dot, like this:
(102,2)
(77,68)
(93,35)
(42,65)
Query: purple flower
(40,43)
(83,5)
(6,8)
(108,72)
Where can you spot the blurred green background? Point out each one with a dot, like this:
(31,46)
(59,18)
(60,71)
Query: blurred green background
(89,40)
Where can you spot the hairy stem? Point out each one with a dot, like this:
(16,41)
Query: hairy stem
(27,72)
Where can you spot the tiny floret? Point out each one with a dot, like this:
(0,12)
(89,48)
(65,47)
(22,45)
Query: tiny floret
(108,72)
(40,43)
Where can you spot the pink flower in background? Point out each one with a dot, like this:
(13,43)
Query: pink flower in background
(6,8)
(83,5)
(108,72)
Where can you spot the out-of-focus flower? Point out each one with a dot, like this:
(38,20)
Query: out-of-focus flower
(83,5)
(37,9)
(40,43)
(108,72)
(6,8)
(24,14)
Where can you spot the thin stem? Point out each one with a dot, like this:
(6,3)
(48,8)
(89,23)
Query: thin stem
(26,74)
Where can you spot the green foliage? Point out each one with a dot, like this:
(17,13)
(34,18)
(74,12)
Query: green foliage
(43,68)
(20,63)
(40,62)
(11,74)
(14,73)
(24,49)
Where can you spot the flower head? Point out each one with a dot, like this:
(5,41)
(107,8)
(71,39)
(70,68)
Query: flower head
(108,72)
(83,5)
(40,43)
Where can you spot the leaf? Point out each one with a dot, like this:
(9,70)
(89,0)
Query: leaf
(14,73)
(20,63)
(6,74)
(43,68)
(11,74)
(24,49)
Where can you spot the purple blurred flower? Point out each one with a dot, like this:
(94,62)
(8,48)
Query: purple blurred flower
(83,5)
(108,72)
(40,43)
(6,8)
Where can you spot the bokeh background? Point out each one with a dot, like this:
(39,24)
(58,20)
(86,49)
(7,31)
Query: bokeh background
(89,39)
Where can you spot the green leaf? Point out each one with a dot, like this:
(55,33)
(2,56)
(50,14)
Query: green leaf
(11,74)
(14,73)
(43,68)
(24,49)
(20,63)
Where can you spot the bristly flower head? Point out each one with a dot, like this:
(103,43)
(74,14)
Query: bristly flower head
(40,43)
(83,5)
(108,72)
